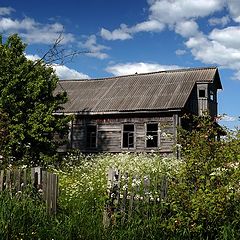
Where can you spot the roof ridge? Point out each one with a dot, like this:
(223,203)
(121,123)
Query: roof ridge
(137,74)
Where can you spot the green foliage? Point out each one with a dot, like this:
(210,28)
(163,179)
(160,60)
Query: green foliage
(205,199)
(4,134)
(27,99)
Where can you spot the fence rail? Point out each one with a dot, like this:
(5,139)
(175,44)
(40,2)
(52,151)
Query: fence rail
(44,182)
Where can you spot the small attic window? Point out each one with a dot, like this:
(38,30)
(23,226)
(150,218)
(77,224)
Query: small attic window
(202,93)
(211,95)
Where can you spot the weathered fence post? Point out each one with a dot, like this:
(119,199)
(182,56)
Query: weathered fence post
(164,187)
(114,196)
(124,198)
(1,179)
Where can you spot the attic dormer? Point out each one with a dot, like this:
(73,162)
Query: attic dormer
(207,96)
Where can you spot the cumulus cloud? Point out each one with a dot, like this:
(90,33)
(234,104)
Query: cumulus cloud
(137,67)
(125,32)
(95,49)
(234,9)
(212,52)
(148,26)
(187,28)
(118,34)
(65,73)
(62,71)
(35,32)
(46,36)
(8,24)
(228,37)
(223,21)
(6,11)
(176,14)
(221,47)
(170,12)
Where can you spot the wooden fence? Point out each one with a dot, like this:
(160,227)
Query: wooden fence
(44,182)
(127,194)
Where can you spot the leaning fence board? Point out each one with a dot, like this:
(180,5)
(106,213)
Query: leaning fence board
(8,179)
(54,193)
(1,179)
(124,198)
(44,182)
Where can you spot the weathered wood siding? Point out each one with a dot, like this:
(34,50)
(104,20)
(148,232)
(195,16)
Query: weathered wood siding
(110,131)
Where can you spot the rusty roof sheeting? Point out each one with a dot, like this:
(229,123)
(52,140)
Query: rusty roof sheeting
(151,91)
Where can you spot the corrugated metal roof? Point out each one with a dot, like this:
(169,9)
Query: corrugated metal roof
(150,91)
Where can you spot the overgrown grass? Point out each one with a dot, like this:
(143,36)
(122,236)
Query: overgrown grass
(83,183)
(203,200)
(23,216)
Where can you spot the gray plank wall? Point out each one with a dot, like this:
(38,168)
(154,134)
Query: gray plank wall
(109,134)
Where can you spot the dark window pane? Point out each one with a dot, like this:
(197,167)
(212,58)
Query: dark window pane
(202,93)
(128,128)
(91,136)
(152,135)
(152,127)
(128,136)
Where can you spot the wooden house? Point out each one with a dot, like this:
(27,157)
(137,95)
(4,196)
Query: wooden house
(137,113)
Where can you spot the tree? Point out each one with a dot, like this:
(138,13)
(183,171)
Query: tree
(28,101)
(3,131)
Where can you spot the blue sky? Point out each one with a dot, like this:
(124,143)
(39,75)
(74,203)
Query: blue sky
(128,36)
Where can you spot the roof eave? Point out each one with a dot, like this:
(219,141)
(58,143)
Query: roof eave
(147,111)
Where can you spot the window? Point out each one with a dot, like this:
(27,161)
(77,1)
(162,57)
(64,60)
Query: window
(202,93)
(91,136)
(128,136)
(152,135)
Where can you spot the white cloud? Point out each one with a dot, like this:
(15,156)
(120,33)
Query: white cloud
(34,32)
(234,9)
(32,57)
(46,36)
(7,24)
(228,37)
(187,28)
(180,52)
(219,48)
(180,15)
(227,118)
(212,52)
(117,34)
(124,32)
(223,21)
(6,11)
(148,26)
(172,11)
(139,67)
(62,71)
(95,50)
